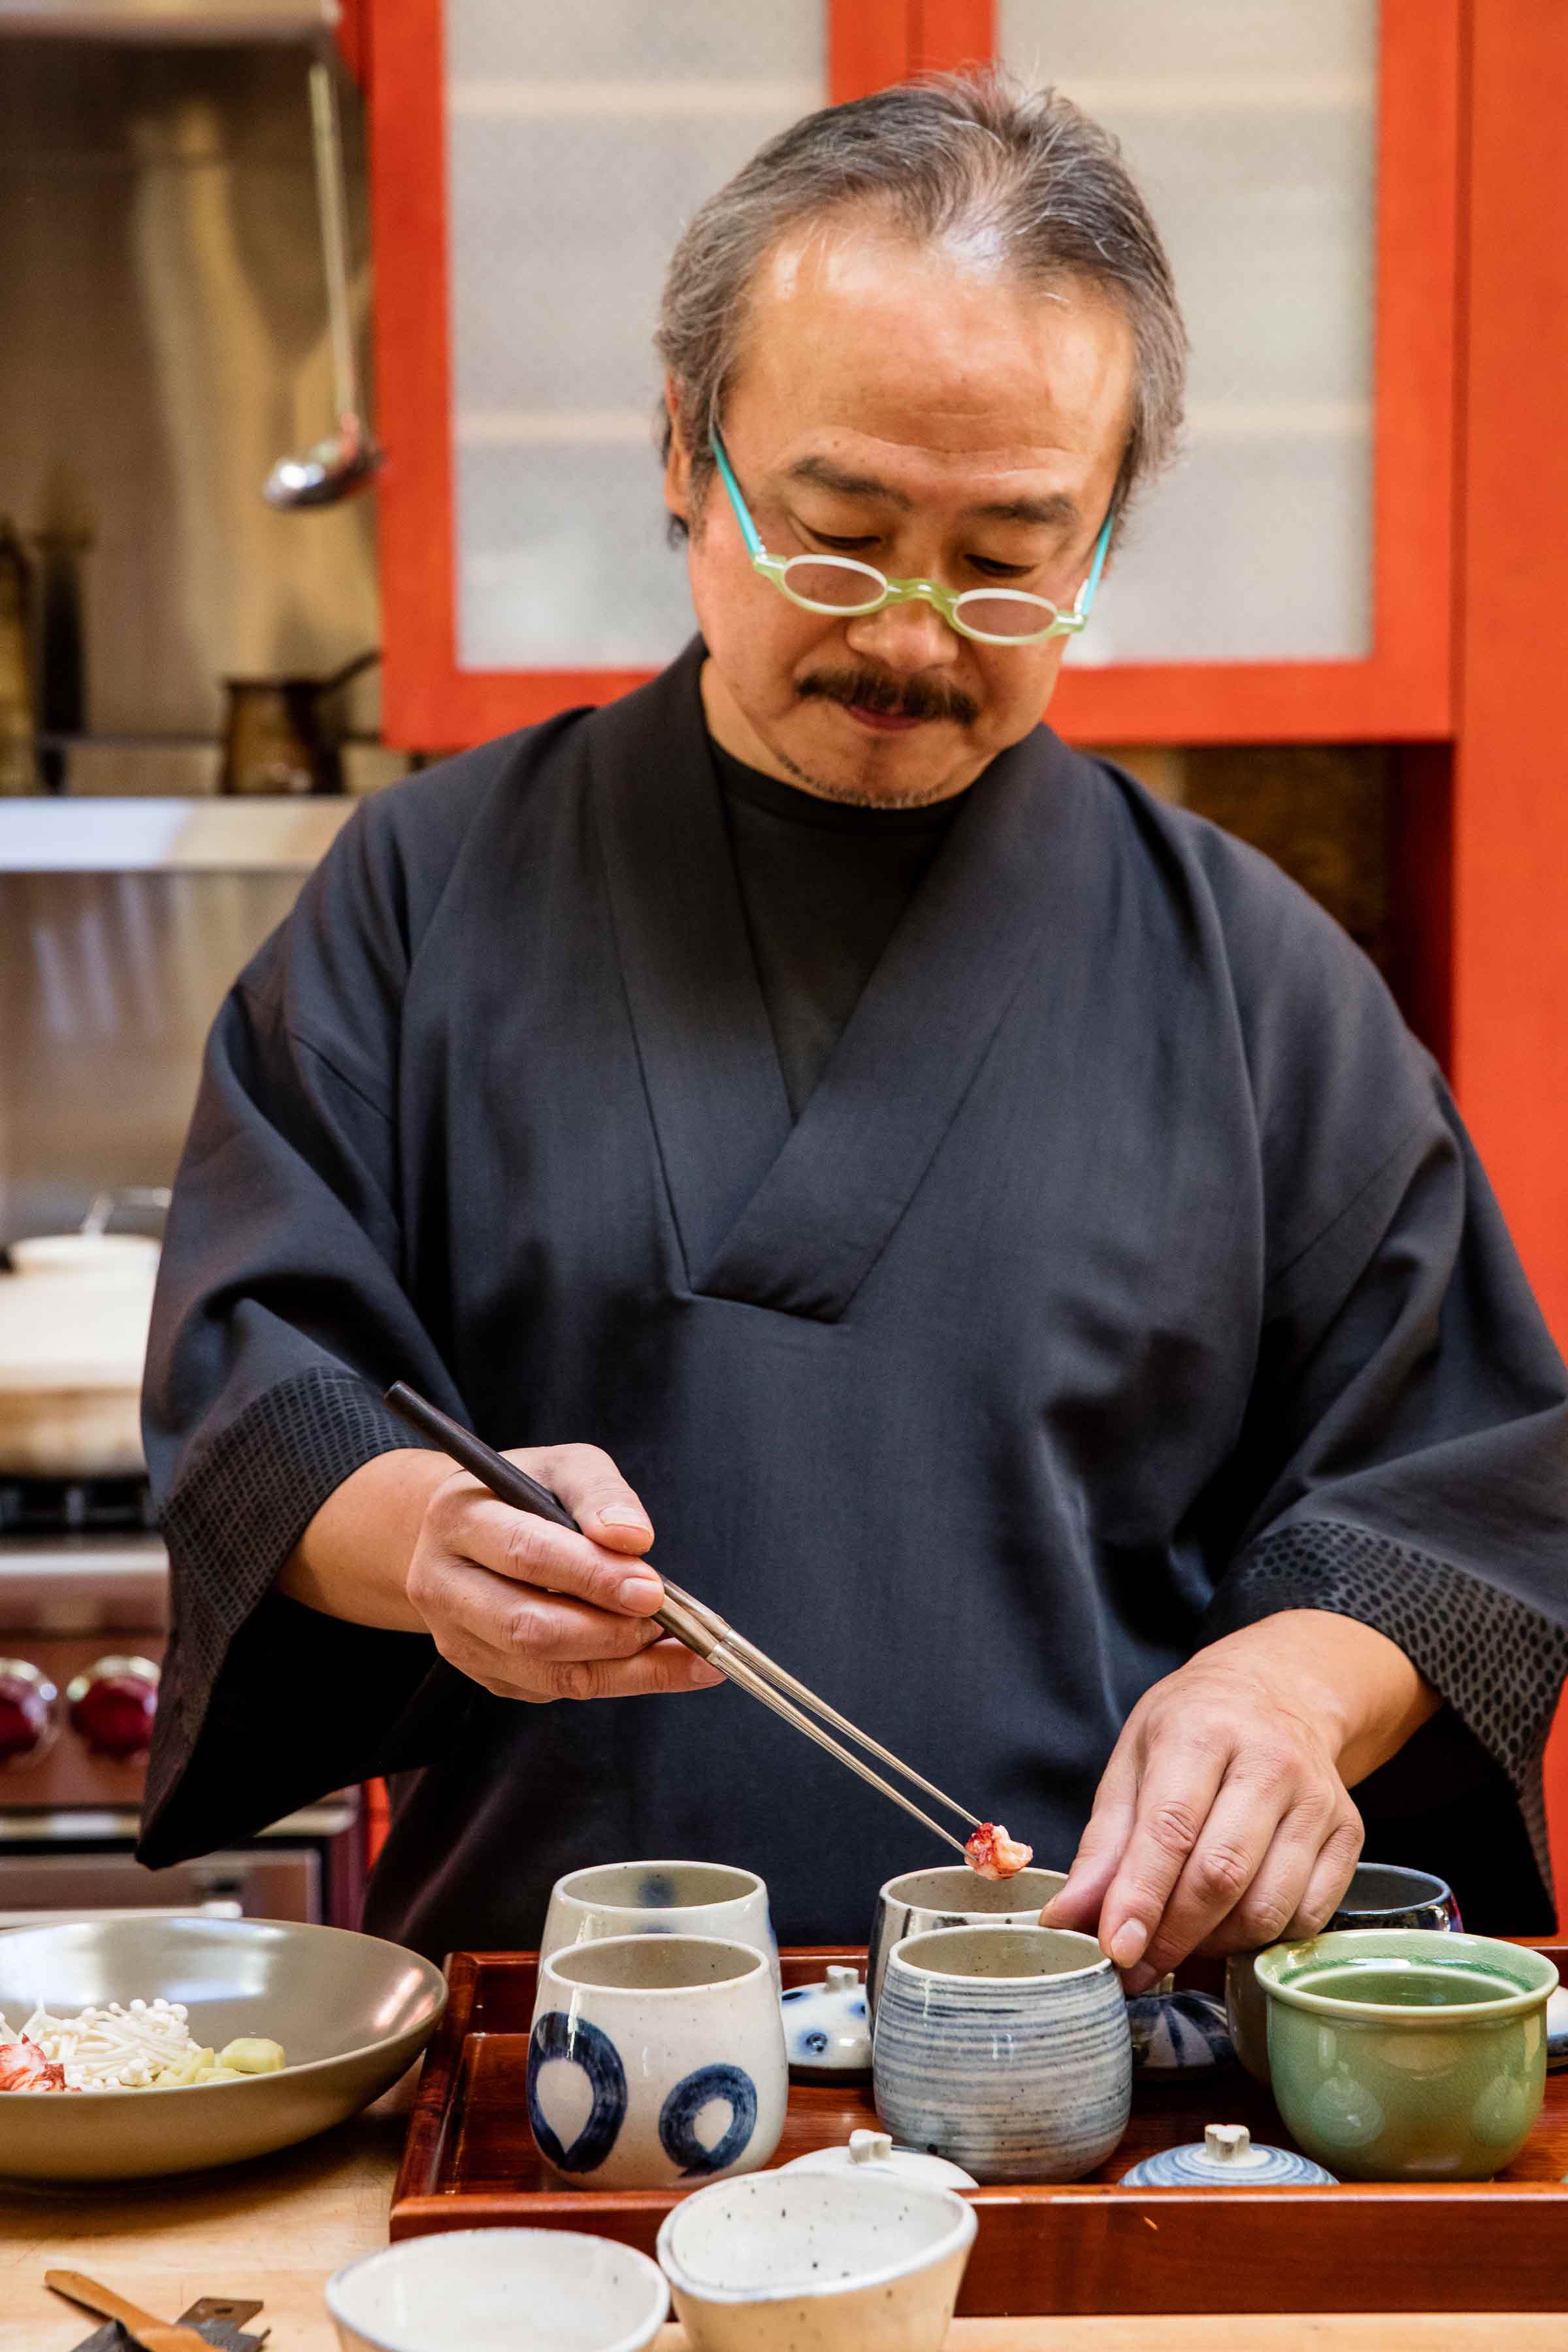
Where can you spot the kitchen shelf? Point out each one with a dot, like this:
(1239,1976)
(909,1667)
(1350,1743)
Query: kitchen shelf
(170,20)
(193,836)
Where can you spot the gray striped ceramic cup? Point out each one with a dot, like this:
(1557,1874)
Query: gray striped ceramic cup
(953,1895)
(1005,2049)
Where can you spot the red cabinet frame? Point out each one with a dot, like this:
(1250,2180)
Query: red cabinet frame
(1402,691)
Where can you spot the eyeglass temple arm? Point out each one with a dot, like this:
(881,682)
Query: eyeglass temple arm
(748,527)
(1085,604)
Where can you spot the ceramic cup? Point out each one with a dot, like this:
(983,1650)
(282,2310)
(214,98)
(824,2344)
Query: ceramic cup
(475,2288)
(951,1895)
(1381,2083)
(1005,2049)
(1379,1895)
(656,2061)
(817,2263)
(660,1898)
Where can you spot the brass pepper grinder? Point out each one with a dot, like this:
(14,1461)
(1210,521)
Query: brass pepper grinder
(19,744)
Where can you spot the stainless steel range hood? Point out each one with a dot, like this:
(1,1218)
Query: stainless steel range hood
(170,20)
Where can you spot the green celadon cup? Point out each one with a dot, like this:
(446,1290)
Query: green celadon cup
(1379,2084)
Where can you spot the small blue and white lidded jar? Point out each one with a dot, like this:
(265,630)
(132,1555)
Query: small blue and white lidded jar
(1227,2159)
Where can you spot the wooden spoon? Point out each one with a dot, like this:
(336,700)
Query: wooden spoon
(153,2335)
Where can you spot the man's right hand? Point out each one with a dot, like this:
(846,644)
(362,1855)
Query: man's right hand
(528,1609)
(534,1611)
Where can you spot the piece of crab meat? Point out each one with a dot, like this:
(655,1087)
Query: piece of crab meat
(994,1854)
(24,2067)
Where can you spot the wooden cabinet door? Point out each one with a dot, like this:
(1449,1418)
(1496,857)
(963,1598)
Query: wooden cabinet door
(532,165)
(1291,577)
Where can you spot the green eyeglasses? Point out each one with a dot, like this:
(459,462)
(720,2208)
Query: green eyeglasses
(838,584)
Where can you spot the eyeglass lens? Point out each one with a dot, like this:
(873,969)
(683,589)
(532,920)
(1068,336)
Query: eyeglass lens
(844,586)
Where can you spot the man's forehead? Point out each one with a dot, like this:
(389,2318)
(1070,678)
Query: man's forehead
(876,355)
(998,502)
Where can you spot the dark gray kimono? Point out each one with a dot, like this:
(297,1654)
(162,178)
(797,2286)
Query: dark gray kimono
(1127,1278)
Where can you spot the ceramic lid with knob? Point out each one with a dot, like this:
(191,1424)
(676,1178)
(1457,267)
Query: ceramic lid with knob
(875,2149)
(826,2029)
(1227,2157)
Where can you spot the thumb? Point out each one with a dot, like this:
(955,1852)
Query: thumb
(587,1482)
(1079,1903)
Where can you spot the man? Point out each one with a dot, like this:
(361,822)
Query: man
(995,1228)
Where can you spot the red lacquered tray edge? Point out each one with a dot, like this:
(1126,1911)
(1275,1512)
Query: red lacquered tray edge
(1488,2246)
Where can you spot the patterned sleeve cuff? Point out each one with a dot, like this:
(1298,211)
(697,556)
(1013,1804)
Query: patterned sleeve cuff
(240,1509)
(1497,1663)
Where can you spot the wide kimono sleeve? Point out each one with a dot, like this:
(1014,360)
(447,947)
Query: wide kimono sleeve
(1404,1460)
(280,1315)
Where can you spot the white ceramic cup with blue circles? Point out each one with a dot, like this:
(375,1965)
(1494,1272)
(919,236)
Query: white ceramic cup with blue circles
(660,1898)
(1005,2049)
(657,2061)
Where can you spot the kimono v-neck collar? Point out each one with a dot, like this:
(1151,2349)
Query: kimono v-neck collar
(786,1217)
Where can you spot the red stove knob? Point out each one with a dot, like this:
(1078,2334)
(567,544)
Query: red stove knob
(112,1705)
(28,1722)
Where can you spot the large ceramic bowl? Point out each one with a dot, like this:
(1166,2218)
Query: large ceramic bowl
(1399,2087)
(791,2261)
(1006,2050)
(1379,1895)
(499,2291)
(350,2011)
(950,1894)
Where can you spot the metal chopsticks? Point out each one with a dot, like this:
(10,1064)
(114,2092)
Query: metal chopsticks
(690,1621)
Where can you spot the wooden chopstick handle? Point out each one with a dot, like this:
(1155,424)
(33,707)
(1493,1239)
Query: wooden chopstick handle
(503,1478)
(76,2287)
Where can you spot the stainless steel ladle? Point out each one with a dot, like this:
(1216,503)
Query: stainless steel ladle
(346,460)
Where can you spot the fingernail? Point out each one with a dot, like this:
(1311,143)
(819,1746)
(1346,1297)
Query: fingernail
(704,1676)
(634,1592)
(1127,1944)
(625,1515)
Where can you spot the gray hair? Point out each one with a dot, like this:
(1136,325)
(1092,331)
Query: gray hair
(952,154)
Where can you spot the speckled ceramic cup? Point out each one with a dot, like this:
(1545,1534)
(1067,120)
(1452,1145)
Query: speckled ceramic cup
(951,1895)
(1394,2087)
(656,2061)
(1005,2049)
(660,1898)
(817,2263)
(1379,1895)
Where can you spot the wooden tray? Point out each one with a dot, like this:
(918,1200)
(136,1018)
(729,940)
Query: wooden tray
(470,2161)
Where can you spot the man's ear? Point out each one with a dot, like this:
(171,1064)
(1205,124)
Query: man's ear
(678,465)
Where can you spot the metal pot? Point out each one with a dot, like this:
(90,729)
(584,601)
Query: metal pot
(276,740)
(74,1312)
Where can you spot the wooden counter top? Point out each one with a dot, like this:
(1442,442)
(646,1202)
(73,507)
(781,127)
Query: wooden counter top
(278,2227)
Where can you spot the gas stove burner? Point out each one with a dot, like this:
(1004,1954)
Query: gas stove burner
(67,1507)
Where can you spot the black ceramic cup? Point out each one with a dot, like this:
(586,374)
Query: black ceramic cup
(1379,1895)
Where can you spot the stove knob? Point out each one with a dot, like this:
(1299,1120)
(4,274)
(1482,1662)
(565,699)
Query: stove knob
(112,1705)
(28,1723)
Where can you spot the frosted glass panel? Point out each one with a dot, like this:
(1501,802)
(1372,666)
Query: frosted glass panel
(1251,125)
(581,140)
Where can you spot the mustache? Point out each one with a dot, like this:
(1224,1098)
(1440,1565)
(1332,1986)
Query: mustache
(891,698)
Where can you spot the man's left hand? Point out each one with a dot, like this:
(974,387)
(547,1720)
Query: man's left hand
(1224,1819)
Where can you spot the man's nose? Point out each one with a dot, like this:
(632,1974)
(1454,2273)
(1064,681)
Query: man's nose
(910,636)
